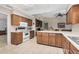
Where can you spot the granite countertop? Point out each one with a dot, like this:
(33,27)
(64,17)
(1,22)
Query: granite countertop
(66,34)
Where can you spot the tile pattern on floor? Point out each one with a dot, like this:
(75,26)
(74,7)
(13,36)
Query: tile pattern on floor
(30,47)
(3,40)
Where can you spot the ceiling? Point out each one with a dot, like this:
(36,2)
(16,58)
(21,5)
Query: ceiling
(40,10)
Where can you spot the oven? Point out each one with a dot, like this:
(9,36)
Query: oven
(26,36)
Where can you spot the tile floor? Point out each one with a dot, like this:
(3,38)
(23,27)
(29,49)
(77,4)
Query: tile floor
(3,40)
(30,47)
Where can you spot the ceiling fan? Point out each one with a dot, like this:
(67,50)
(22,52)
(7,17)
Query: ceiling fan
(60,14)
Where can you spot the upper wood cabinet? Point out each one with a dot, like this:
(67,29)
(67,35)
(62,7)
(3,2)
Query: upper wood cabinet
(29,22)
(38,23)
(73,15)
(24,19)
(15,20)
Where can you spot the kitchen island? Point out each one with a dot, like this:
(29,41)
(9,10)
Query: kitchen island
(60,39)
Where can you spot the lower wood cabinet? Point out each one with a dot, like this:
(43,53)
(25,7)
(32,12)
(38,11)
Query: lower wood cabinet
(73,50)
(51,39)
(45,38)
(65,45)
(31,34)
(16,38)
(39,37)
(58,40)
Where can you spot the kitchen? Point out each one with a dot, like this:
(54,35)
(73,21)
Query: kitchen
(64,38)
(54,30)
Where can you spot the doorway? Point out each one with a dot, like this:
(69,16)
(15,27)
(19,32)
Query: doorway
(46,26)
(3,30)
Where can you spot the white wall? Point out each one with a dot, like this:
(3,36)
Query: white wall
(53,21)
(8,13)
(75,28)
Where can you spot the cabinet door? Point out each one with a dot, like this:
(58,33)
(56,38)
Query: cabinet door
(63,41)
(16,38)
(58,40)
(39,37)
(73,49)
(24,20)
(69,17)
(52,39)
(15,20)
(29,22)
(65,45)
(73,15)
(31,34)
(45,38)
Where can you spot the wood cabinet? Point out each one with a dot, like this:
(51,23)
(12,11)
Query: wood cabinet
(24,19)
(15,20)
(16,38)
(73,50)
(45,38)
(51,39)
(73,15)
(39,37)
(31,34)
(65,45)
(38,23)
(29,22)
(58,40)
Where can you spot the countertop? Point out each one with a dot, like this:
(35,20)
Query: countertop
(66,34)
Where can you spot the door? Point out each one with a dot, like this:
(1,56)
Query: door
(46,26)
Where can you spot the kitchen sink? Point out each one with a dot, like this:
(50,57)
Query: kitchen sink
(75,39)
